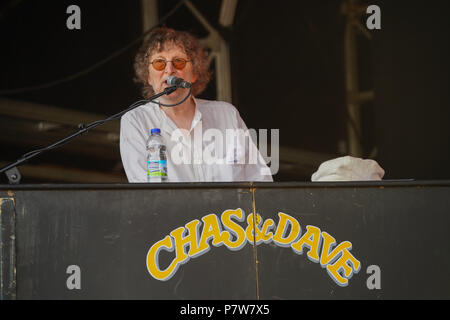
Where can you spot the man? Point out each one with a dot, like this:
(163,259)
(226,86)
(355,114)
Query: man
(188,129)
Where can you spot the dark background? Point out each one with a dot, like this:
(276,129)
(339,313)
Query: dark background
(287,62)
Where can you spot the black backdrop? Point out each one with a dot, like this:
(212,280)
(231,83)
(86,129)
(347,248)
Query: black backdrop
(287,64)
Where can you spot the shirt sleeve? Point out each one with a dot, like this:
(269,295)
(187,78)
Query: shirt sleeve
(132,150)
(254,171)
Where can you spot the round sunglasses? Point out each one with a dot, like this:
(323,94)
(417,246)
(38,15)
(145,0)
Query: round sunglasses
(160,64)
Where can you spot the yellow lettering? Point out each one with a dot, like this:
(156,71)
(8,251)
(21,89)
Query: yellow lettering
(343,264)
(279,237)
(234,228)
(267,236)
(338,260)
(328,242)
(190,239)
(251,228)
(153,260)
(311,239)
(211,228)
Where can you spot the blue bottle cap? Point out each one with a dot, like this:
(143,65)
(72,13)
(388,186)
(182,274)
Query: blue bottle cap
(155,130)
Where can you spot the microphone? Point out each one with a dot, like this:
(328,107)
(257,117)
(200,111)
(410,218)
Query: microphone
(180,83)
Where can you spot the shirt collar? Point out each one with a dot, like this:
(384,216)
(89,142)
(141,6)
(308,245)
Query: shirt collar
(169,126)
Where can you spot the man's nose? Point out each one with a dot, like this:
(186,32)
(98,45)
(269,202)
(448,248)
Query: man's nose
(169,67)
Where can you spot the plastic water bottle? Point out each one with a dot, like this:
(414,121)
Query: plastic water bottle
(156,157)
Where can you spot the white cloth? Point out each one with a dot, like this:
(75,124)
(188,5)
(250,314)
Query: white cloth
(135,129)
(348,169)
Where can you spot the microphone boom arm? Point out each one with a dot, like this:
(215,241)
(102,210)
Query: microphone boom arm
(13,173)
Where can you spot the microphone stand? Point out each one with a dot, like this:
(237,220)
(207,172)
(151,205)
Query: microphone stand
(13,174)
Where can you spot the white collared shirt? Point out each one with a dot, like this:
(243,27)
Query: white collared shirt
(186,160)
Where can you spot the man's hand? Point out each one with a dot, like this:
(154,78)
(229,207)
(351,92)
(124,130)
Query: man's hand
(348,169)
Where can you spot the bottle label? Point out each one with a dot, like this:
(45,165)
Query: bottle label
(157,168)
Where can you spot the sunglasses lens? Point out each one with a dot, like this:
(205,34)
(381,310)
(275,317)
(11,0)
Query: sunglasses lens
(159,64)
(179,63)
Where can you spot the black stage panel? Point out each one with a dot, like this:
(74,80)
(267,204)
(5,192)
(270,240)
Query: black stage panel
(108,232)
(196,241)
(401,228)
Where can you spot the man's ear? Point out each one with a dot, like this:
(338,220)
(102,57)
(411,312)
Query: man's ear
(194,78)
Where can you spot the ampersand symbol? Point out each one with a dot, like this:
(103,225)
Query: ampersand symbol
(252,227)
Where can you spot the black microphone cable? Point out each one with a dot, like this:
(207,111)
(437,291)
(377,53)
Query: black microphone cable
(176,104)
